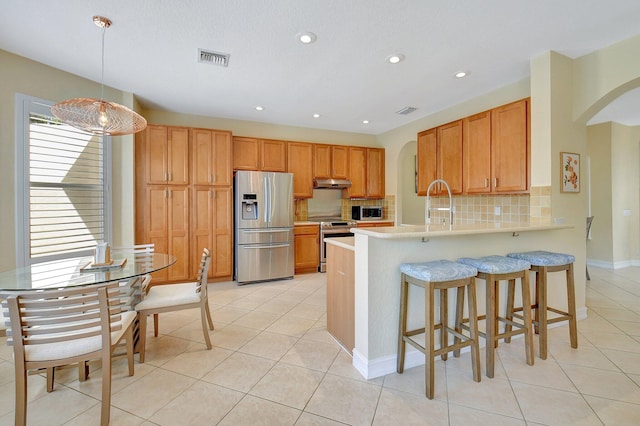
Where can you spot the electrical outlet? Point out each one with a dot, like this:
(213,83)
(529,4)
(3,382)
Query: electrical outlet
(496,211)
(626,212)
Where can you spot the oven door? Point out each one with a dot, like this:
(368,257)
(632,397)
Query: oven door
(332,233)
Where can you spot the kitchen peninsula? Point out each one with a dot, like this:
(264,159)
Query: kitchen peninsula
(380,251)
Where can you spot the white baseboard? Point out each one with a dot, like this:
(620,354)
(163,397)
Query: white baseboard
(612,265)
(370,369)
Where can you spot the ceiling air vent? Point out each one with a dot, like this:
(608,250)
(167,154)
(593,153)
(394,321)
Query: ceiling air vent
(214,58)
(406,110)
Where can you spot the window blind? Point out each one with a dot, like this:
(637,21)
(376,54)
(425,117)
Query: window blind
(66,188)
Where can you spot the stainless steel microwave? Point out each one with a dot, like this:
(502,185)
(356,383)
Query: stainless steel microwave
(366,212)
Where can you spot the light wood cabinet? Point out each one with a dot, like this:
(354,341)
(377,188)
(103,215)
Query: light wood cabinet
(375,173)
(496,150)
(306,243)
(476,148)
(510,147)
(366,172)
(212,227)
(484,153)
(341,295)
(300,163)
(259,154)
(427,159)
(211,163)
(167,227)
(166,155)
(330,161)
(182,219)
(440,157)
(358,172)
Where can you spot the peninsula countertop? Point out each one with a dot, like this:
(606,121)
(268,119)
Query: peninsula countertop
(439,230)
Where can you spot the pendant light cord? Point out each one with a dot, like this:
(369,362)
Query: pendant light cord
(104,30)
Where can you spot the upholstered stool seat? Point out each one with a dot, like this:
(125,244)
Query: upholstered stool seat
(494,269)
(543,262)
(438,275)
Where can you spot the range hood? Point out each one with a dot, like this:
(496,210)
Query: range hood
(331,183)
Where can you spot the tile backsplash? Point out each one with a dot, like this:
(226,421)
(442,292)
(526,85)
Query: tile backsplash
(534,207)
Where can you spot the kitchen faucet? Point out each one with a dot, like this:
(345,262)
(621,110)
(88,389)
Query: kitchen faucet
(428,202)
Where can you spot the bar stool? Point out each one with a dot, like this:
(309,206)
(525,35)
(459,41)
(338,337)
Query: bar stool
(493,269)
(438,275)
(543,262)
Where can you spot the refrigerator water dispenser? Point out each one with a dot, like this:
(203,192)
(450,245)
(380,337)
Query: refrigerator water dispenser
(249,207)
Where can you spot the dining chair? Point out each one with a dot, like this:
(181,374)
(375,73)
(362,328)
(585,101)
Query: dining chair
(176,297)
(51,328)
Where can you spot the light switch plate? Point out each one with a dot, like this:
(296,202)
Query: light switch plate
(496,211)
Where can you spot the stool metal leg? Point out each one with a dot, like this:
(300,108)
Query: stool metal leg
(444,318)
(541,310)
(571,303)
(460,316)
(404,290)
(526,311)
(490,325)
(473,327)
(429,340)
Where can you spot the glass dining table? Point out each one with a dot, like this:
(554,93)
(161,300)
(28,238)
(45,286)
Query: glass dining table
(77,271)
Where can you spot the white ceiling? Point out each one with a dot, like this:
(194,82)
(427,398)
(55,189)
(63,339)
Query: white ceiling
(151,50)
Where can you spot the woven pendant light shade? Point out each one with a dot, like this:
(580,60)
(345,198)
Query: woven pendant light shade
(97,115)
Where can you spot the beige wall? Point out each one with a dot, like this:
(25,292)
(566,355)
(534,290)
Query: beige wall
(614,150)
(600,247)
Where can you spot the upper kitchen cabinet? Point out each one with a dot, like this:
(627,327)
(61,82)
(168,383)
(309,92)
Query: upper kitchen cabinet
(427,159)
(300,163)
(259,154)
(330,161)
(358,172)
(211,159)
(166,155)
(510,147)
(366,172)
(375,173)
(477,153)
(440,157)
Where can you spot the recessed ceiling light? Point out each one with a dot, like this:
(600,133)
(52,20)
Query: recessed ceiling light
(316,115)
(306,38)
(259,108)
(394,59)
(365,121)
(461,74)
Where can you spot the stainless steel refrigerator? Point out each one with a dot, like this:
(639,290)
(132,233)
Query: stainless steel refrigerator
(263,226)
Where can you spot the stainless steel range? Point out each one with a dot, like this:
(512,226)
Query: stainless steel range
(331,227)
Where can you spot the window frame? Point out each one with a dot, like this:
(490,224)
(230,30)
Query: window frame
(24,106)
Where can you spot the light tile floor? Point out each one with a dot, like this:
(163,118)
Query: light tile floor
(273,363)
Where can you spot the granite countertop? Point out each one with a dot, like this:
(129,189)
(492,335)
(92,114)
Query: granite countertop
(305,223)
(438,230)
(344,242)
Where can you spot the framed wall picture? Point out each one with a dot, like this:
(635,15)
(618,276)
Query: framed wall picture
(570,172)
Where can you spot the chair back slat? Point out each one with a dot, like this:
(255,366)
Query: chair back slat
(52,316)
(203,273)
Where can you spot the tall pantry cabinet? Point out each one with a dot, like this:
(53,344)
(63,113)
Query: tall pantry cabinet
(183,198)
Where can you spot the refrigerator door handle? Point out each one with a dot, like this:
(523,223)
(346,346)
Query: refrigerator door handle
(263,247)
